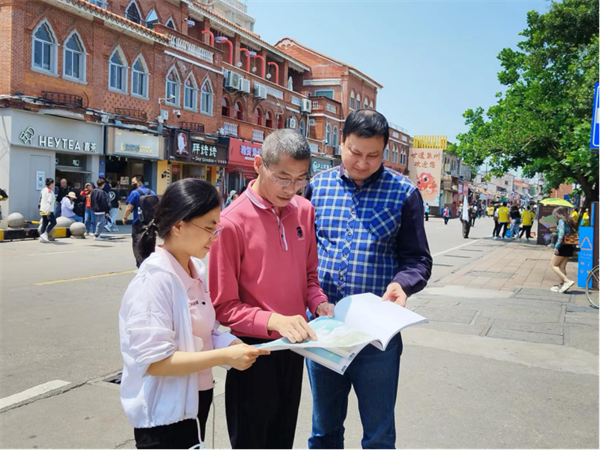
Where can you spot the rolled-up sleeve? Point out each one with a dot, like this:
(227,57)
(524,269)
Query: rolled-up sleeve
(412,249)
(219,339)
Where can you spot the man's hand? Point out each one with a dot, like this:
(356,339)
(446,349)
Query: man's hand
(294,328)
(325,309)
(396,294)
(124,221)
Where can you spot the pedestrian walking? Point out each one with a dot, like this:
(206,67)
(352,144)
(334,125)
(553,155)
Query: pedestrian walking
(472,215)
(446,215)
(515,217)
(61,192)
(371,238)
(67,206)
(565,245)
(90,217)
(115,206)
(263,277)
(141,199)
(502,217)
(47,207)
(527,218)
(169,337)
(426,212)
(100,206)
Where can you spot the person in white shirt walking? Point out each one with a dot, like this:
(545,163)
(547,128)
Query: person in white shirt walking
(47,206)
(168,332)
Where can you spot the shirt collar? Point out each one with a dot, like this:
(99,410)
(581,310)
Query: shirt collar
(261,202)
(370,180)
(188,281)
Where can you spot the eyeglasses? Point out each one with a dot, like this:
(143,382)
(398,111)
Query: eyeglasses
(283,182)
(213,233)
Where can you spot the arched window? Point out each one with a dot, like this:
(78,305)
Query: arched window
(225,107)
(173,88)
(117,79)
(171,24)
(206,101)
(190,93)
(133,13)
(352,100)
(357,101)
(268,120)
(74,58)
(290,84)
(302,128)
(239,111)
(366,104)
(44,48)
(279,121)
(139,78)
(335,136)
(371,105)
(386,153)
(328,134)
(258,116)
(151,19)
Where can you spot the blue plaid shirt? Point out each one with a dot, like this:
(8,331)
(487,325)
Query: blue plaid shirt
(369,235)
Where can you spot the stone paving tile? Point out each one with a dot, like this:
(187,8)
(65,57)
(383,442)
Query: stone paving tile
(547,328)
(445,314)
(538,338)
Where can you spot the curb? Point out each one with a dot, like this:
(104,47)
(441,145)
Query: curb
(31,233)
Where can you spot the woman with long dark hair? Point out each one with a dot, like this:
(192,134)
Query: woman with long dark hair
(47,207)
(564,247)
(169,336)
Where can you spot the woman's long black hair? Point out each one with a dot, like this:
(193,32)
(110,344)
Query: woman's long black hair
(562,212)
(184,200)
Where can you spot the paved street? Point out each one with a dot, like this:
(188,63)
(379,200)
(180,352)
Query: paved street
(503,363)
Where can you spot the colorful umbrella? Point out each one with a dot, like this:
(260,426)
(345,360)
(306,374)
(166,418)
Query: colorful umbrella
(557,202)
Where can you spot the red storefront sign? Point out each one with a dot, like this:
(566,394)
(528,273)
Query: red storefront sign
(241,156)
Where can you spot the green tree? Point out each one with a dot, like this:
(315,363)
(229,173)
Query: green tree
(542,123)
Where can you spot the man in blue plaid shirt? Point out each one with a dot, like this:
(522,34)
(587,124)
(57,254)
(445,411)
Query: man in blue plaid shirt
(371,238)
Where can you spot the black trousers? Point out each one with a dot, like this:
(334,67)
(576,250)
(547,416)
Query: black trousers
(182,434)
(446,220)
(135,237)
(426,216)
(262,402)
(527,230)
(498,227)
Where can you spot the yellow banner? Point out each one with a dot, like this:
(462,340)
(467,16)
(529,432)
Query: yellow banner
(440,142)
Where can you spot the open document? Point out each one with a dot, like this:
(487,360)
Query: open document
(359,320)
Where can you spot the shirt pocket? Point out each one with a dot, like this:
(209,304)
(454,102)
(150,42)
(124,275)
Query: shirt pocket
(384,224)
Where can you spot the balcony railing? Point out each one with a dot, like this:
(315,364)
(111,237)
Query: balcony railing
(258,135)
(237,5)
(133,113)
(192,126)
(101,3)
(231,129)
(331,108)
(62,98)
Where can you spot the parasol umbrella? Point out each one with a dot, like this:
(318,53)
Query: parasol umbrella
(557,202)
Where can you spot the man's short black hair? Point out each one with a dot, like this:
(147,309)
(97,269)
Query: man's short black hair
(366,123)
(504,203)
(113,184)
(139,178)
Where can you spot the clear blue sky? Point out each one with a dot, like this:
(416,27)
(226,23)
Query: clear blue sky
(435,59)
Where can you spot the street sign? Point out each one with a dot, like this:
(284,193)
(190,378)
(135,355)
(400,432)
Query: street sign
(585,259)
(595,140)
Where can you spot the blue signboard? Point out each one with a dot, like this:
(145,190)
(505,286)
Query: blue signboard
(595,140)
(585,260)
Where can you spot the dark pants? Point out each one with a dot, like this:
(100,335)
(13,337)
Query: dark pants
(48,222)
(262,402)
(426,217)
(182,434)
(473,221)
(374,376)
(466,228)
(135,237)
(527,230)
(446,220)
(500,226)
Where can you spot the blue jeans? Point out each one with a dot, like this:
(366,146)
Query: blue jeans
(374,376)
(514,228)
(90,220)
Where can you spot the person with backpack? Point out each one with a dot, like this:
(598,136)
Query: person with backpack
(101,206)
(141,199)
(169,338)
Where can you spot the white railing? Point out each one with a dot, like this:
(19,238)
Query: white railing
(230,128)
(296,101)
(190,49)
(314,148)
(331,108)
(236,4)
(258,135)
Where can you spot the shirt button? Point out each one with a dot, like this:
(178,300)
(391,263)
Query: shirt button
(204,303)
(349,232)
(344,256)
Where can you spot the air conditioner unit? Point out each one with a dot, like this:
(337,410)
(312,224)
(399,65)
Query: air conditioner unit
(305,106)
(244,85)
(260,92)
(291,123)
(233,80)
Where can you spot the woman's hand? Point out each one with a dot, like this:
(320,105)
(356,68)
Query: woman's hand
(242,356)
(556,252)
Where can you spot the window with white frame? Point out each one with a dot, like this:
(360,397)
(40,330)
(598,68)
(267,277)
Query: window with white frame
(133,13)
(352,100)
(324,92)
(371,105)
(206,100)
(173,88)
(366,104)
(74,58)
(190,93)
(139,78)
(335,137)
(386,153)
(44,49)
(117,78)
(171,24)
(328,134)
(357,101)
(302,128)
(151,19)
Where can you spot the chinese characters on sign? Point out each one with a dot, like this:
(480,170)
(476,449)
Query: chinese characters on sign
(249,152)
(425,169)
